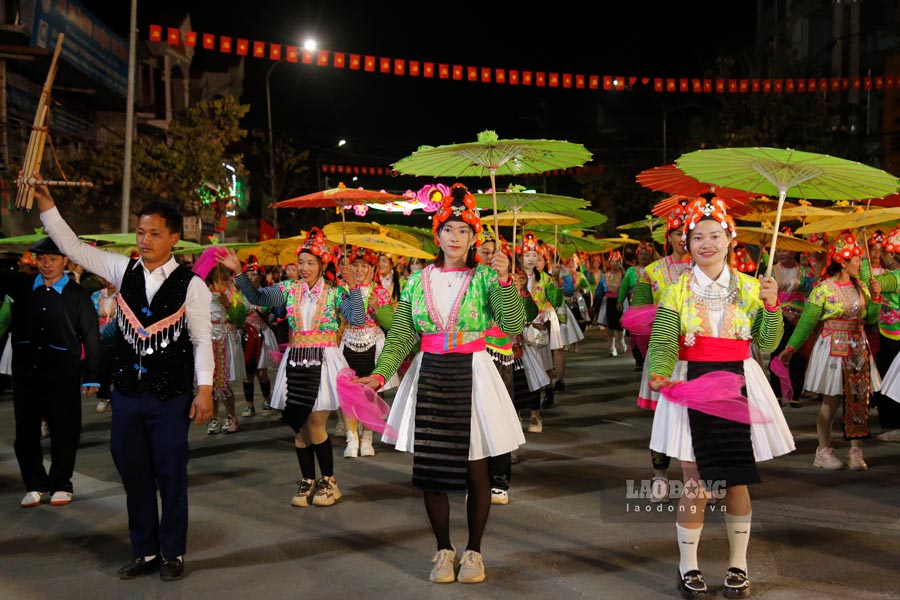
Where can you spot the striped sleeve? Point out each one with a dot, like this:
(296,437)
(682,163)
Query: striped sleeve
(554,294)
(889,282)
(663,350)
(353,307)
(399,342)
(266,296)
(767,329)
(642,294)
(809,318)
(507,309)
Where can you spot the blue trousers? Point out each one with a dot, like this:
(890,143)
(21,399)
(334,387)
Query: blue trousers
(149,445)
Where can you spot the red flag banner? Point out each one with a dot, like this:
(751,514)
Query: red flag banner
(155,33)
(209,41)
(500,75)
(527,78)
(259,49)
(399,66)
(340,60)
(173,36)
(415,68)
(683,85)
(485,74)
(607,82)
(369,64)
(242,47)
(471,74)
(671,84)
(779,86)
(513,77)
(306,56)
(225,44)
(274,51)
(443,71)
(594,82)
(540,79)
(429,69)
(322,58)
(457,72)
(658,85)
(384,65)
(190,39)
(579,82)
(567,80)
(292,53)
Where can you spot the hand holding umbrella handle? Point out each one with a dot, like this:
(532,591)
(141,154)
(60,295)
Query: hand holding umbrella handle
(781,195)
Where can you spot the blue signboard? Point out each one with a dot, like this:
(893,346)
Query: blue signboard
(22,100)
(89,45)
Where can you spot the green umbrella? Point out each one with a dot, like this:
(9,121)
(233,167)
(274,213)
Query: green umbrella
(127,240)
(788,172)
(21,243)
(491,156)
(576,240)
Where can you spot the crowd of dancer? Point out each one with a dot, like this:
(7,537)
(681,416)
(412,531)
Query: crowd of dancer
(471,349)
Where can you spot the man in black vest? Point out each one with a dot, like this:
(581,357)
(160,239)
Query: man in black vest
(163,340)
(53,319)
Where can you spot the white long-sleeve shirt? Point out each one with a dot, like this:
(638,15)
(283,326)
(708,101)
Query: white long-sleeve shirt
(111,266)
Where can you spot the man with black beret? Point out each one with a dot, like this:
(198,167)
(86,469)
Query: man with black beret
(56,345)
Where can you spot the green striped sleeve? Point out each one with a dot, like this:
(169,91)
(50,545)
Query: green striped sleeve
(642,294)
(767,329)
(554,294)
(806,325)
(399,342)
(507,309)
(628,282)
(663,350)
(531,309)
(873,311)
(888,281)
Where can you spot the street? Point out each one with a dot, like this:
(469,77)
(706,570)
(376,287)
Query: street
(572,528)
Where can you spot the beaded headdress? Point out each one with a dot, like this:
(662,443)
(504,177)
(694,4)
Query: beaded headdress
(458,205)
(529,243)
(843,248)
(676,216)
(818,237)
(742,260)
(315,244)
(253,265)
(708,209)
(877,238)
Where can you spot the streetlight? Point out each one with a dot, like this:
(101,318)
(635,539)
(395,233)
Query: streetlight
(308,45)
(340,143)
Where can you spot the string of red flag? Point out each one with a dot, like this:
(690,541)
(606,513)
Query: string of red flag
(430,70)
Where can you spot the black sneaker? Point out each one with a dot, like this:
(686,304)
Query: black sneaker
(172,569)
(736,584)
(560,385)
(139,567)
(691,584)
(548,399)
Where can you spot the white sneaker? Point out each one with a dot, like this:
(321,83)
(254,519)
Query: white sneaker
(827,459)
(327,492)
(60,498)
(471,568)
(499,496)
(304,493)
(32,499)
(45,430)
(442,571)
(536,425)
(103,405)
(857,461)
(250,411)
(352,449)
(365,443)
(230,425)
(659,490)
(214,427)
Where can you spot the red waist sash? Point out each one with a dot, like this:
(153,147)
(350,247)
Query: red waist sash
(714,349)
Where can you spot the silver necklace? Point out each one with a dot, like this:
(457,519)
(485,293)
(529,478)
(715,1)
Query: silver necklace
(714,299)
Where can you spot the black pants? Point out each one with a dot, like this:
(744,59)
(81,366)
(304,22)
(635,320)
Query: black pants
(888,409)
(58,398)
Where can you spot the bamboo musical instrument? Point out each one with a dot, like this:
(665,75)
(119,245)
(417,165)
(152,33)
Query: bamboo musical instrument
(34,153)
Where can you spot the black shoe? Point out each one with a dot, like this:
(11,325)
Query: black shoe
(736,584)
(139,567)
(795,404)
(560,385)
(548,399)
(691,584)
(172,569)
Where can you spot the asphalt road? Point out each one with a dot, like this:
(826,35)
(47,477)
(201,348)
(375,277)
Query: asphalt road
(570,529)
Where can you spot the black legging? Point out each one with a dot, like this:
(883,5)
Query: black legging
(478,507)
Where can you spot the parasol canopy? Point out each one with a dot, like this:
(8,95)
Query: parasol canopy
(383,243)
(854,220)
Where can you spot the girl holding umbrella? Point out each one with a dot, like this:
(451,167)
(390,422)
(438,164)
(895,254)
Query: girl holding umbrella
(708,319)
(452,409)
(306,384)
(841,365)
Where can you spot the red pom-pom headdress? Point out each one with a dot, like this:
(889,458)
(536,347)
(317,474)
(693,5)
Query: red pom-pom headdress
(818,237)
(676,216)
(316,245)
(892,240)
(742,260)
(614,255)
(365,254)
(529,243)
(877,237)
(460,205)
(708,209)
(253,265)
(843,248)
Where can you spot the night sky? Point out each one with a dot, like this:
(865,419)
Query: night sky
(385,117)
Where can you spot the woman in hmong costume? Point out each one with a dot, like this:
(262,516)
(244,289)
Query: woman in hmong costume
(575,287)
(634,274)
(362,345)
(841,366)
(452,409)
(260,342)
(547,296)
(657,276)
(305,388)
(609,315)
(708,319)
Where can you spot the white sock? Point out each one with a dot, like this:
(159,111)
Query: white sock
(738,528)
(688,540)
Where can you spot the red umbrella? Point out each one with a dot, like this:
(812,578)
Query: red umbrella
(341,197)
(736,208)
(672,180)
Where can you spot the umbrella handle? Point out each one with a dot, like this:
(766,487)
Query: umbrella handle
(494,197)
(781,195)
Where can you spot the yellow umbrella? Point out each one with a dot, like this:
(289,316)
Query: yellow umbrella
(277,251)
(803,212)
(620,241)
(762,236)
(383,243)
(855,220)
(333,231)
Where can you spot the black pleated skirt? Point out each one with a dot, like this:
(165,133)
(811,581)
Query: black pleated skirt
(443,422)
(361,362)
(722,448)
(302,392)
(523,397)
